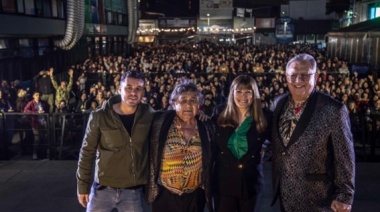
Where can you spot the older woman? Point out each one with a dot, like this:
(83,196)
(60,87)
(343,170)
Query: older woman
(180,155)
(241,130)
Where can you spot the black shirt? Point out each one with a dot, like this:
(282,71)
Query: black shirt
(128,121)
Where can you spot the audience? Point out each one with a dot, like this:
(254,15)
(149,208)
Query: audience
(212,68)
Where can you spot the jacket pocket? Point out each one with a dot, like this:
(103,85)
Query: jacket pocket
(111,139)
(317,177)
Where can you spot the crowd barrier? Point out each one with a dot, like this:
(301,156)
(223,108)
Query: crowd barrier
(61,136)
(368,137)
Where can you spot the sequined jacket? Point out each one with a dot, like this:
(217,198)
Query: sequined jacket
(159,131)
(317,166)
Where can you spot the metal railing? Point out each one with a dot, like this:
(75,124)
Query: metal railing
(60,136)
(63,134)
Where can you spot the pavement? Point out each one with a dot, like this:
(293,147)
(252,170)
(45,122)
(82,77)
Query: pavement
(50,186)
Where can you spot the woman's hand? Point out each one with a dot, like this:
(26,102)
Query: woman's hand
(202,116)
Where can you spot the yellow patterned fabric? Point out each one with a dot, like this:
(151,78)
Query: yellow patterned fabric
(181,170)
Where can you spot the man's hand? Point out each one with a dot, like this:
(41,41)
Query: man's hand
(71,72)
(51,71)
(337,206)
(83,199)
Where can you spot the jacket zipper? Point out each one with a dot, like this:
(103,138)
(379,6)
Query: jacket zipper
(130,141)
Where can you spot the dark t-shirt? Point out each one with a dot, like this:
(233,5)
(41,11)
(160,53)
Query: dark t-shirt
(128,121)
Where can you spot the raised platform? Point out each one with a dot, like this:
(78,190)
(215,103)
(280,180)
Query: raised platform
(46,186)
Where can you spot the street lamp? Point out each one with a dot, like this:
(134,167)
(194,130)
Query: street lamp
(285,25)
(208,19)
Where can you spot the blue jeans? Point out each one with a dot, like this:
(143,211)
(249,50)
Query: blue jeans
(125,200)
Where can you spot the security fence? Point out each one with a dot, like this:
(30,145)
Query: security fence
(42,136)
(58,136)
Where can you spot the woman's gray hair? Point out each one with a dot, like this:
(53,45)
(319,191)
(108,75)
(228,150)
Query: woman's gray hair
(185,85)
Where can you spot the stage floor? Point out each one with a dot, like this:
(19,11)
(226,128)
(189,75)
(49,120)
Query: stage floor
(47,186)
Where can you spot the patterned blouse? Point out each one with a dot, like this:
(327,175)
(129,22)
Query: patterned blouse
(289,119)
(181,169)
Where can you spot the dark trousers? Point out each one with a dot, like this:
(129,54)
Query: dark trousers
(189,202)
(227,203)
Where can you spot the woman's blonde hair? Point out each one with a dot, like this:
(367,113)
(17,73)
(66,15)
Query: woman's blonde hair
(230,115)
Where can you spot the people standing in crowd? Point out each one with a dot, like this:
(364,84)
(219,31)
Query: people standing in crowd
(5,104)
(62,107)
(82,79)
(93,106)
(116,139)
(372,117)
(83,103)
(356,121)
(241,130)
(6,107)
(62,92)
(8,92)
(45,87)
(64,121)
(201,56)
(181,155)
(313,163)
(38,123)
(22,124)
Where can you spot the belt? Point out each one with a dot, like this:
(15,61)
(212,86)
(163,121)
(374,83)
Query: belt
(101,187)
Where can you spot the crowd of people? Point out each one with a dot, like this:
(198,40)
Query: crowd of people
(197,162)
(239,87)
(210,66)
(86,86)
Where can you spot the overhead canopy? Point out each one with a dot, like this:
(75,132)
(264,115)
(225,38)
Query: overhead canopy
(358,43)
(372,25)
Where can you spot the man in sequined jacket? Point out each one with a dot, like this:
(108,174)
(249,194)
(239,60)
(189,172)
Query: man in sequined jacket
(313,155)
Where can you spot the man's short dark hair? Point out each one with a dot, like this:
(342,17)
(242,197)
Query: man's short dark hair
(133,74)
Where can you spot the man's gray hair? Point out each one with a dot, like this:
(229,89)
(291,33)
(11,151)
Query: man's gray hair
(304,57)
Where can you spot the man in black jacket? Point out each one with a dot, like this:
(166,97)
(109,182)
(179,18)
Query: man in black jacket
(45,87)
(116,143)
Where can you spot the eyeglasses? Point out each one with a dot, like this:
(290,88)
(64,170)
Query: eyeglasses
(301,77)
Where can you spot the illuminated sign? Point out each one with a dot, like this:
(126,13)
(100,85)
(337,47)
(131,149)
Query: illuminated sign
(374,12)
